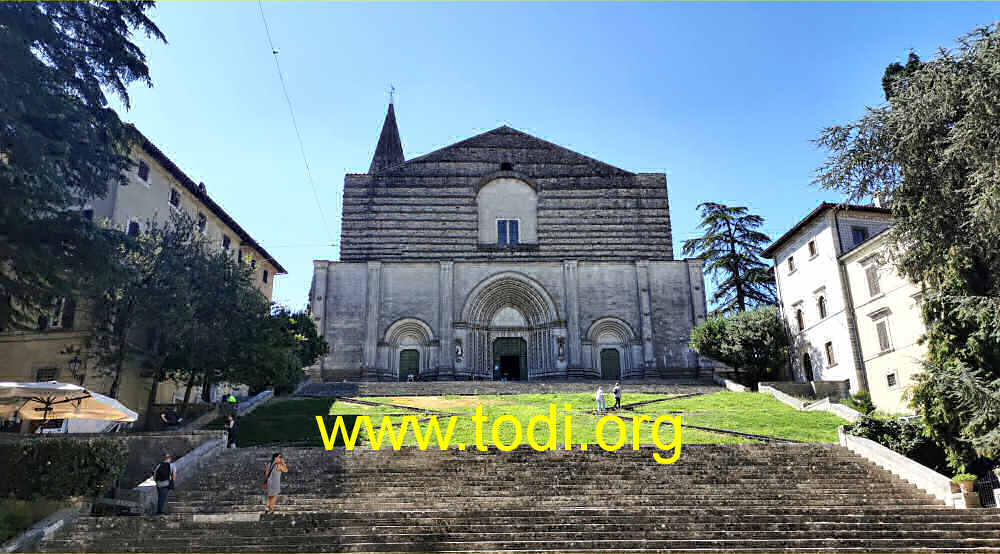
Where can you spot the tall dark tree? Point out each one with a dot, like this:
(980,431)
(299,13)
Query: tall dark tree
(60,143)
(731,248)
(932,152)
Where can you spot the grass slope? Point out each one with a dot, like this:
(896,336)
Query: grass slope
(285,421)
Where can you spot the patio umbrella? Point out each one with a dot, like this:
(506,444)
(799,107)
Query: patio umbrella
(54,400)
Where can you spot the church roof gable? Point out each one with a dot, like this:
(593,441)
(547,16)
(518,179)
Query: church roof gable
(518,145)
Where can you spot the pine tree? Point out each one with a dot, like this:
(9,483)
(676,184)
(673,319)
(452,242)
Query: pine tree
(60,143)
(731,248)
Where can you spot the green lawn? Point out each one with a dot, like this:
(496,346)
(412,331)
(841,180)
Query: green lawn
(294,421)
(741,412)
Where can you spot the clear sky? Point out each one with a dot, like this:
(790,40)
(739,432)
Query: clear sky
(724,98)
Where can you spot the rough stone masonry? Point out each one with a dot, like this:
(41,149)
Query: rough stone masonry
(504,256)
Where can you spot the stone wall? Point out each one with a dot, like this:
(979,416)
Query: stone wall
(144,449)
(426,208)
(648,307)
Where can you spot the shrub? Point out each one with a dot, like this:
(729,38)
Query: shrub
(60,468)
(862,402)
(964,477)
(753,343)
(905,436)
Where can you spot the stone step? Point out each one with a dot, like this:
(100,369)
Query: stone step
(877,545)
(266,528)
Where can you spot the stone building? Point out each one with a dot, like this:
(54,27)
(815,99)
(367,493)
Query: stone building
(155,188)
(504,255)
(850,314)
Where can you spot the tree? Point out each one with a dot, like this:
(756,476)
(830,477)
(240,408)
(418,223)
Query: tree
(60,143)
(276,346)
(931,151)
(149,283)
(753,343)
(731,248)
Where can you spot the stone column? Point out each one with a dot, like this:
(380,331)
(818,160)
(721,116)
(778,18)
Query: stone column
(645,313)
(372,313)
(446,332)
(571,286)
(320,291)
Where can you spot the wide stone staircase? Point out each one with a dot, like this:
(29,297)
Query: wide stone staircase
(750,497)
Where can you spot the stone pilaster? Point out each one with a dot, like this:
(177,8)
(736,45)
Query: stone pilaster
(645,313)
(446,273)
(371,314)
(318,302)
(572,309)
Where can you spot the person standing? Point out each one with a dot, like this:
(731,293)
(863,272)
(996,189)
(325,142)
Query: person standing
(231,427)
(600,400)
(617,391)
(164,474)
(273,477)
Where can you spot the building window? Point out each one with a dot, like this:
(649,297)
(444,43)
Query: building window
(46,374)
(225,242)
(175,198)
(891,381)
(821,304)
(264,277)
(800,320)
(882,328)
(202,222)
(859,234)
(506,166)
(507,232)
(791,264)
(830,360)
(812,249)
(871,274)
(143,171)
(133,229)
(253,264)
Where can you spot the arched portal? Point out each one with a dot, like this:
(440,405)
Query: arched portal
(409,347)
(612,347)
(807,367)
(510,305)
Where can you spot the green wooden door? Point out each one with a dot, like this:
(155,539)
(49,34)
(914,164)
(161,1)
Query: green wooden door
(409,363)
(611,364)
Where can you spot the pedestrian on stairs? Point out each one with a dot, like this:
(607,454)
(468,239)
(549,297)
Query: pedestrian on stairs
(231,426)
(617,391)
(600,400)
(273,477)
(164,474)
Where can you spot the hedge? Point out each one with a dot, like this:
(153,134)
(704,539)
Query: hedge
(60,468)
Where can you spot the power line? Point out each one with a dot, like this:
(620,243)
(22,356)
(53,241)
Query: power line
(295,124)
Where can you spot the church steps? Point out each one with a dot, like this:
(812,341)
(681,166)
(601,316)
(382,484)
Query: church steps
(617,545)
(716,497)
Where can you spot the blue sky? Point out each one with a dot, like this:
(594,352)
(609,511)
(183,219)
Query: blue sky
(724,98)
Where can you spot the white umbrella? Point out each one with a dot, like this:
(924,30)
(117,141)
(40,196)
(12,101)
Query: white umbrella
(54,400)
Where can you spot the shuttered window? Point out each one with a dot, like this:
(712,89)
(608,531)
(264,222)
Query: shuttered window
(871,274)
(830,360)
(882,328)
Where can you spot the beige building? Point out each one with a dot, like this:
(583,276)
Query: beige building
(155,187)
(851,316)
(887,311)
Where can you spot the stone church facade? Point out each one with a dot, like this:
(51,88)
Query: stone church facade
(504,255)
